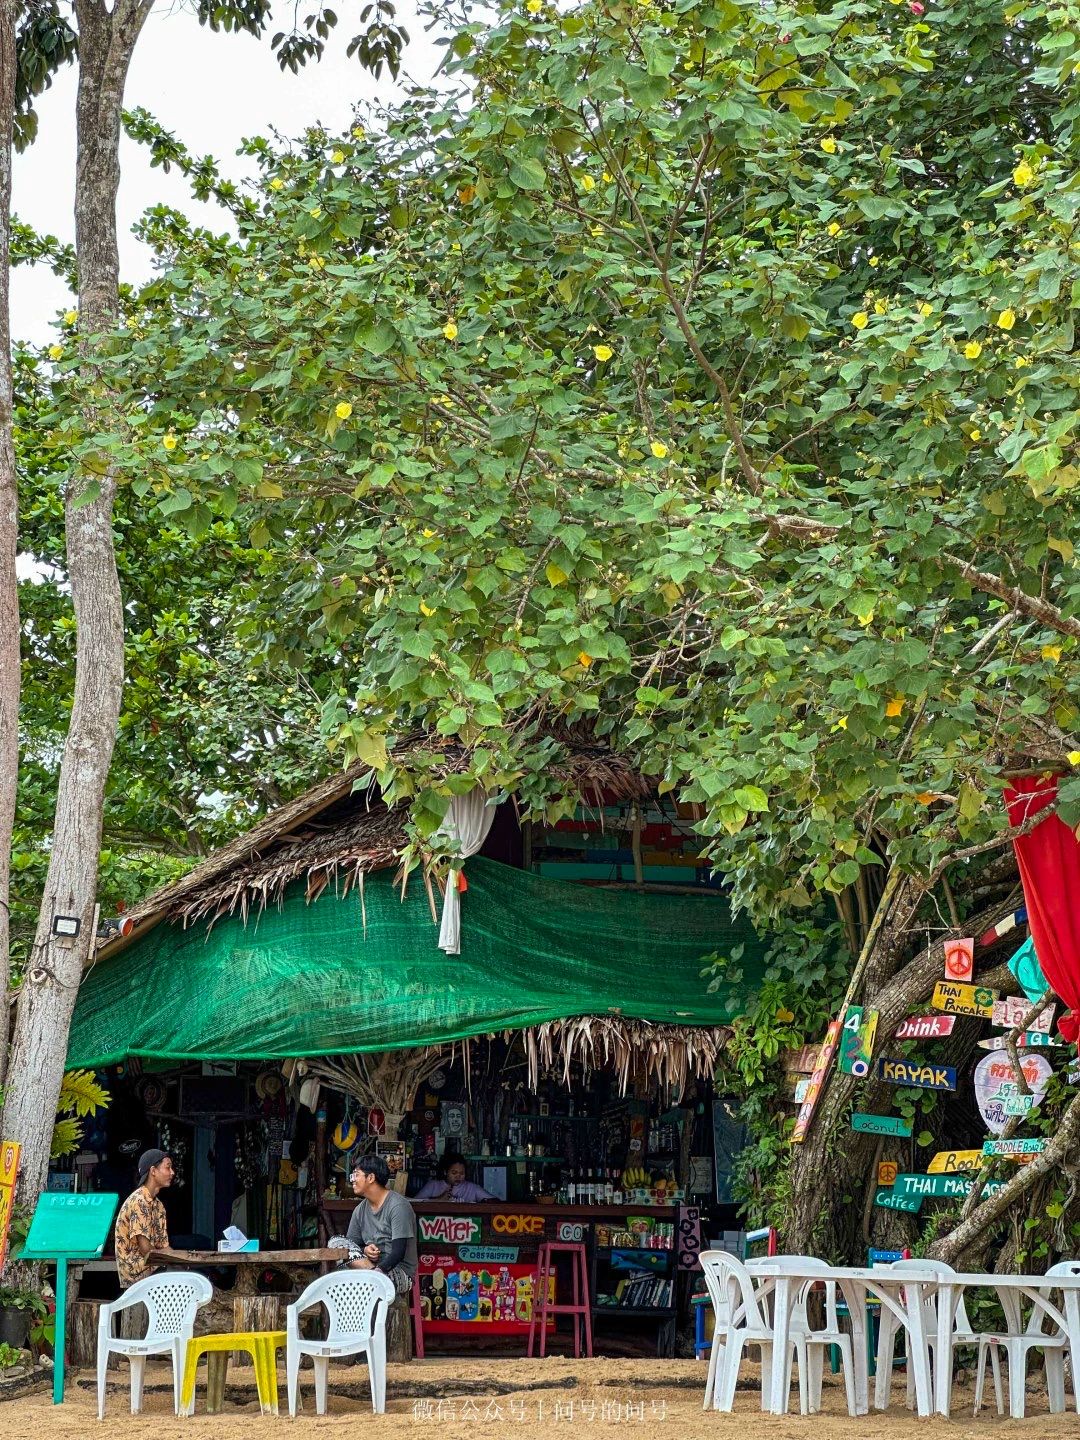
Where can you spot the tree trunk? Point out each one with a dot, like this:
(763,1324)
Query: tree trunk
(106,42)
(9,528)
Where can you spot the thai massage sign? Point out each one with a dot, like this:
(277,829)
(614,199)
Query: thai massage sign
(450,1229)
(1010,1012)
(957,999)
(997,1089)
(947,1187)
(917,1074)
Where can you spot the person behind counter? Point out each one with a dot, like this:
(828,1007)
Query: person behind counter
(140,1223)
(382,1225)
(450,1183)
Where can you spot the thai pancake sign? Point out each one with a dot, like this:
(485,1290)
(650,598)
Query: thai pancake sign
(918,1074)
(957,999)
(817,1079)
(926,1027)
(1010,1012)
(997,1092)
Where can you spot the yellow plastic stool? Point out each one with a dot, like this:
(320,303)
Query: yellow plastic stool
(261,1345)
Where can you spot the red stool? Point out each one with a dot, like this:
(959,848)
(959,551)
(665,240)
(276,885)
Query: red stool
(543,1304)
(417,1318)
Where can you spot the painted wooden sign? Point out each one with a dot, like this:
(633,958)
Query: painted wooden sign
(450,1229)
(802,1089)
(10,1155)
(996,1091)
(857,1041)
(957,999)
(1030,1040)
(1013,1149)
(890,1200)
(926,1027)
(959,959)
(881,1125)
(948,1162)
(1008,1014)
(918,1074)
(800,1061)
(821,1069)
(947,1187)
(887,1172)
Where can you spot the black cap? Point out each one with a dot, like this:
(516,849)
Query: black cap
(148,1159)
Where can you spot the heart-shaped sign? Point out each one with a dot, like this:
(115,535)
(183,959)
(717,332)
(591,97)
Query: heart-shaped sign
(996,1089)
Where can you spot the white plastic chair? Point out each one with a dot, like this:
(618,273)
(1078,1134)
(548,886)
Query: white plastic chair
(357,1303)
(889,1325)
(817,1340)
(739,1322)
(171,1300)
(1018,1344)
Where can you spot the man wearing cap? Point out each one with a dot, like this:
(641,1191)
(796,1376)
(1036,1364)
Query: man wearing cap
(140,1224)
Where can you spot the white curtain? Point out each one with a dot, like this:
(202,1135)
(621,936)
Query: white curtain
(466,825)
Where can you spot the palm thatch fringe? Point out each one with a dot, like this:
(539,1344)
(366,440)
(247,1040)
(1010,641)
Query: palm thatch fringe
(385,1080)
(670,1055)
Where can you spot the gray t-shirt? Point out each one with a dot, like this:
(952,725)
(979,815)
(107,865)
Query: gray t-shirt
(394,1220)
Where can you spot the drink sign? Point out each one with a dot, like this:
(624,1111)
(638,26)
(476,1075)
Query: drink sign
(948,1162)
(817,1079)
(926,1027)
(881,1125)
(959,959)
(1010,1012)
(891,1200)
(958,999)
(918,1074)
(857,1042)
(996,1089)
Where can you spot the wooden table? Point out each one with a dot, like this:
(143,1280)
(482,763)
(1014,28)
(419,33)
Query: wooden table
(244,1307)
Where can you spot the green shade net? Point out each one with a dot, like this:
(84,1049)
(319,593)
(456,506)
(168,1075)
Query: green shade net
(313,979)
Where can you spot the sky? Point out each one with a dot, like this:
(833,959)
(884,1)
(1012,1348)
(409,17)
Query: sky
(210,90)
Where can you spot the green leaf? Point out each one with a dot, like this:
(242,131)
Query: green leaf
(527,173)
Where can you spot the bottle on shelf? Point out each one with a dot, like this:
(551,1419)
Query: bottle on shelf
(609,1187)
(572,1188)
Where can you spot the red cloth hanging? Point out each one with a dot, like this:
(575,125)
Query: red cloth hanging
(1049,860)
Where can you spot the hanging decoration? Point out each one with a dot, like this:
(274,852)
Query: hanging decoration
(997,1091)
(1049,861)
(959,959)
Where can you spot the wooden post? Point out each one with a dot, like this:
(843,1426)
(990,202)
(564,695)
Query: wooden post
(399,1336)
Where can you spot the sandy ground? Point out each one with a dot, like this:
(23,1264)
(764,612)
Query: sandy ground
(467,1399)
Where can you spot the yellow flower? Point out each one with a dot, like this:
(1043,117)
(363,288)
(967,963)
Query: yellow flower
(895,706)
(860,319)
(606,178)
(343,410)
(317,262)
(534,6)
(315,212)
(841,724)
(427,533)
(338,157)
(1051,652)
(358,132)
(925,797)
(784,1015)
(70,316)
(972,350)
(1073,757)
(659,449)
(584,659)
(425,609)
(880,306)
(1023,174)
(875,261)
(1006,320)
(603,352)
(277,184)
(834,228)
(588,183)
(976,434)
(596,230)
(450,330)
(169,441)
(1021,361)
(926,310)
(829,145)
(56,352)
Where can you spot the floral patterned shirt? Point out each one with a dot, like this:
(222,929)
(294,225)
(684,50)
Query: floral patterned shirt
(140,1214)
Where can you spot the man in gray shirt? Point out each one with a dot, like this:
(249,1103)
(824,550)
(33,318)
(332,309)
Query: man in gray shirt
(382,1226)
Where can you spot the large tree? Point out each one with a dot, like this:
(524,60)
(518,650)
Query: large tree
(705,377)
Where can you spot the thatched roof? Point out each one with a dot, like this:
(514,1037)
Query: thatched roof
(340,830)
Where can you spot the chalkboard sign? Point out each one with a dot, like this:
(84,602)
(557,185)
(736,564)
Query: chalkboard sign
(70,1226)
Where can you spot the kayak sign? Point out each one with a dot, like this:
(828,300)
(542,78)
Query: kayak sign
(918,1074)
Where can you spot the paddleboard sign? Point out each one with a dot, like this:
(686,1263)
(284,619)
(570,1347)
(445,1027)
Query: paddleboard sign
(1030,1040)
(1014,1149)
(1010,1012)
(918,1074)
(926,1027)
(942,1187)
(817,1079)
(857,1041)
(881,1125)
(958,999)
(890,1200)
(948,1162)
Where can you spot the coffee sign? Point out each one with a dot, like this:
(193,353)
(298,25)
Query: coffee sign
(959,999)
(890,1200)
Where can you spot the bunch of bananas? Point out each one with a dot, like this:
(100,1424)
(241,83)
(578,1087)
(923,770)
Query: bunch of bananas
(634,1177)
